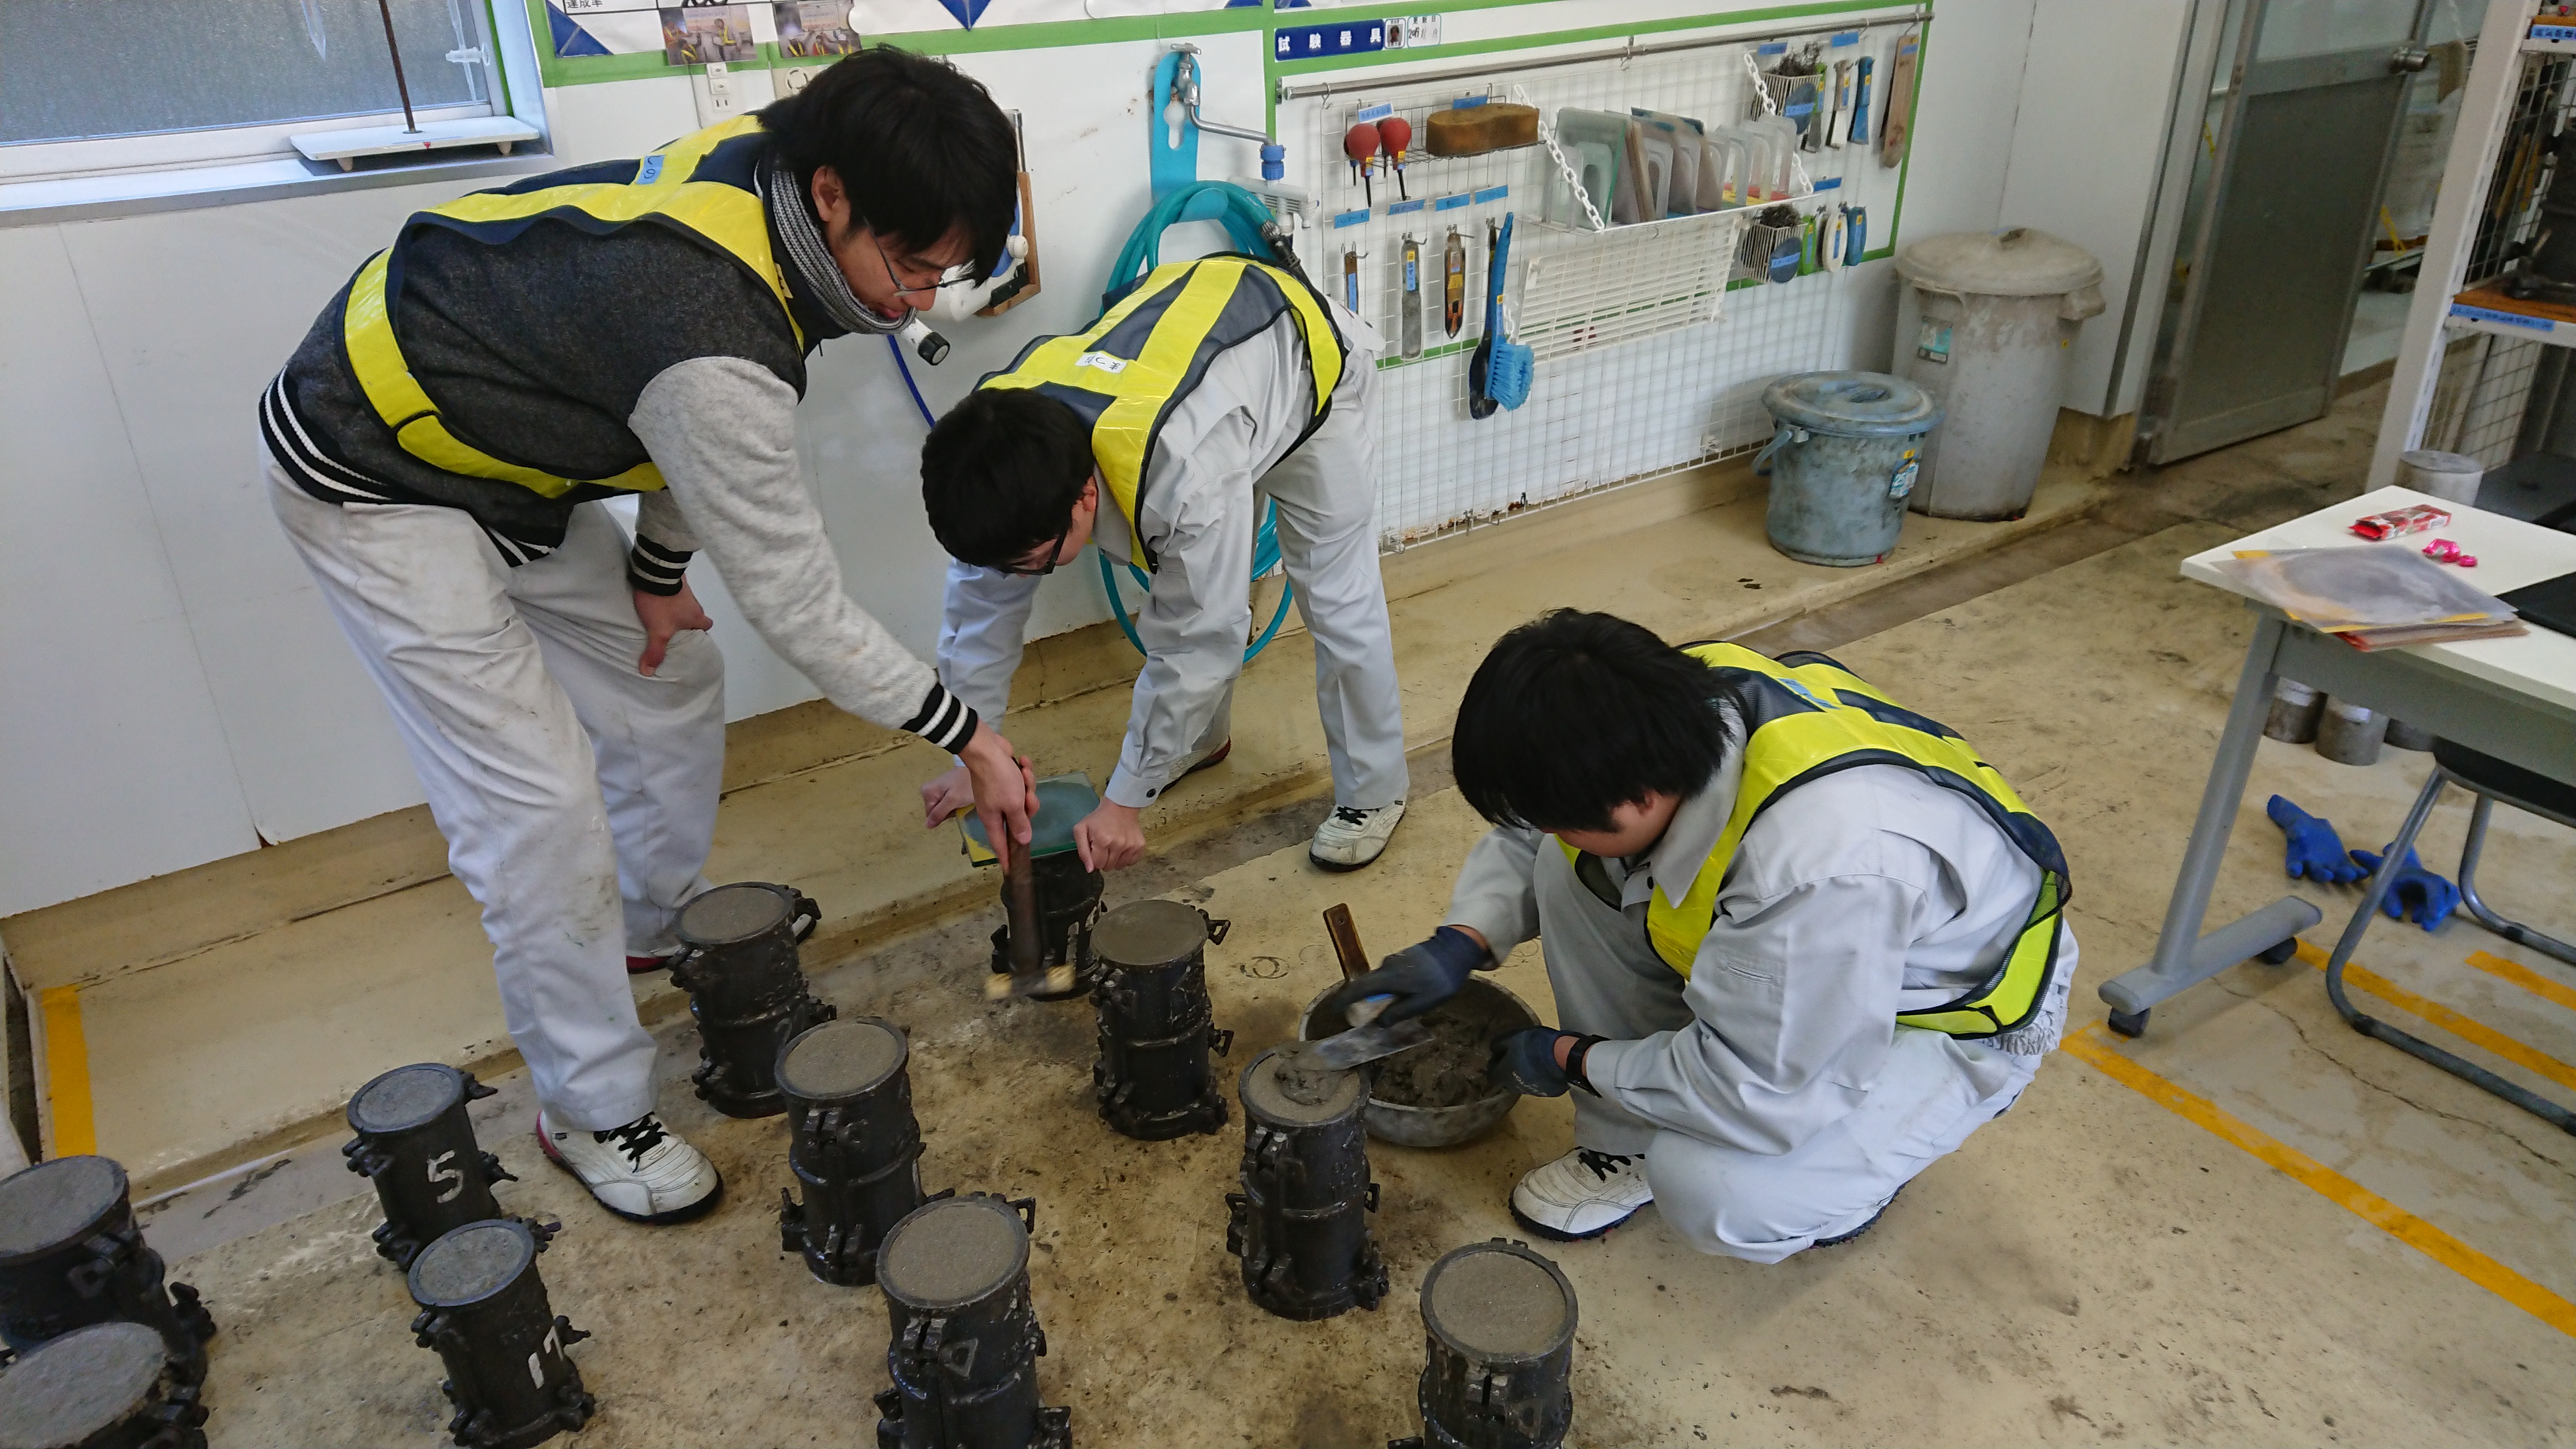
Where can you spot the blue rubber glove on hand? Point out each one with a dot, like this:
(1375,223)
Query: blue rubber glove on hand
(2414,893)
(2315,850)
(1525,1061)
(1419,977)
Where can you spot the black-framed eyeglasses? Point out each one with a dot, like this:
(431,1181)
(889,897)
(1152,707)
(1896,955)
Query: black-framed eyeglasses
(1054,556)
(900,289)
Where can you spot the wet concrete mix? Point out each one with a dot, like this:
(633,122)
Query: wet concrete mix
(1449,1069)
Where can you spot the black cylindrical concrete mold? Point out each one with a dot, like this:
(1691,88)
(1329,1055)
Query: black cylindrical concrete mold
(484,1309)
(107,1386)
(1300,1225)
(1499,1321)
(1153,1079)
(853,1144)
(965,1339)
(747,989)
(1068,899)
(72,1255)
(416,1144)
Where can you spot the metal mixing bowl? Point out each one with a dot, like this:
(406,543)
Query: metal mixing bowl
(1431,1126)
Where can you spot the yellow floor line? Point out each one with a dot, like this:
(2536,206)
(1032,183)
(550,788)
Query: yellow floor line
(2447,1019)
(67,1071)
(2524,977)
(2093,1046)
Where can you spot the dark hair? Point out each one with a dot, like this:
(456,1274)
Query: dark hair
(1001,473)
(921,148)
(1575,714)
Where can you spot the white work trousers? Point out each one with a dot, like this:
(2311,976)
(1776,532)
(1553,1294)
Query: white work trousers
(1761,1207)
(578,797)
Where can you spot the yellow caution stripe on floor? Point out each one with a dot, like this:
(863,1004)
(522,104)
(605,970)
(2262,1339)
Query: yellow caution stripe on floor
(67,1071)
(2094,1046)
(2524,977)
(2476,1032)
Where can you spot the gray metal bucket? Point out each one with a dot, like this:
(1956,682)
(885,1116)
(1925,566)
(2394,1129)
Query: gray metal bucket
(1848,450)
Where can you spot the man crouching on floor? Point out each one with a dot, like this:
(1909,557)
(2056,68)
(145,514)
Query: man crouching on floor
(1803,940)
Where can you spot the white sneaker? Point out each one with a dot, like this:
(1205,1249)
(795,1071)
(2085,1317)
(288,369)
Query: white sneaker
(1581,1195)
(639,1171)
(1349,839)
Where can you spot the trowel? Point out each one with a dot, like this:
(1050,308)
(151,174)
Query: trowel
(1366,1041)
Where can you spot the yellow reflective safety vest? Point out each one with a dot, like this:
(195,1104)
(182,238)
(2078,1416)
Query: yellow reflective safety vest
(700,185)
(1808,717)
(1129,369)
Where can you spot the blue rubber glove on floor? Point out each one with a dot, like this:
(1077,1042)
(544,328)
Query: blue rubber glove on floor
(2315,850)
(2414,893)
(1419,977)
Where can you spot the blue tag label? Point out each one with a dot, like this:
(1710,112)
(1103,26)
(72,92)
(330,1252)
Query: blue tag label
(1410,284)
(1492,193)
(1805,109)
(1378,112)
(1399,208)
(1464,102)
(1449,203)
(1350,218)
(2510,319)
(1829,183)
(1314,42)
(1777,47)
(1845,37)
(646,173)
(2553,32)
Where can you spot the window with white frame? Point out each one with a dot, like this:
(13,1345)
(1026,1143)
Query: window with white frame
(103,86)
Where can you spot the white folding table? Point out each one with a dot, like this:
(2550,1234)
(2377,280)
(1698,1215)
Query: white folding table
(2512,698)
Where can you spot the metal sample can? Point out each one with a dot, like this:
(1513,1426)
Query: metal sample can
(1153,1079)
(484,1309)
(853,1144)
(1300,1225)
(747,989)
(107,1386)
(1068,900)
(71,1255)
(966,1341)
(416,1144)
(1498,1321)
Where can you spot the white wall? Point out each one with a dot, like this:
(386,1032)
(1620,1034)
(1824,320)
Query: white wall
(175,692)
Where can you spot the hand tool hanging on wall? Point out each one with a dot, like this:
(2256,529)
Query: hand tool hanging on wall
(1857,243)
(1409,297)
(1351,283)
(1395,134)
(1900,99)
(1360,143)
(1835,223)
(1838,119)
(1860,132)
(1453,271)
(416,1144)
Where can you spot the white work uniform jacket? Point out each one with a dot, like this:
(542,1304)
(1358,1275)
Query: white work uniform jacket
(1854,897)
(1201,511)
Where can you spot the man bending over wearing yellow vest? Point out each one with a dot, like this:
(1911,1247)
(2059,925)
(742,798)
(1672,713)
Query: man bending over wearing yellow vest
(1210,389)
(1803,940)
(637,328)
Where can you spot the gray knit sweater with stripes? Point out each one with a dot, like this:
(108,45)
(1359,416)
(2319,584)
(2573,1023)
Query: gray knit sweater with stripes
(587,355)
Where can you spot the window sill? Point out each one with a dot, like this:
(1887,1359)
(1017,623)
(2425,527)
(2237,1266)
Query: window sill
(131,193)
(347,148)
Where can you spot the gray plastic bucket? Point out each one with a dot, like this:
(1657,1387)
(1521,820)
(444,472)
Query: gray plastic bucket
(1847,451)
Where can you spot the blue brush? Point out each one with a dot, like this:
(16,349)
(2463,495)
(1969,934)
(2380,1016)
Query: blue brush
(1506,375)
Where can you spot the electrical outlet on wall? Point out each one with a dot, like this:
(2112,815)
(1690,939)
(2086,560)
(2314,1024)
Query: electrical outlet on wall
(795,78)
(719,93)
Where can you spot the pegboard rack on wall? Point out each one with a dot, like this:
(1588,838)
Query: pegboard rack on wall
(1653,340)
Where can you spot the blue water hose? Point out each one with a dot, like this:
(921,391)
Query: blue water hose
(1265,545)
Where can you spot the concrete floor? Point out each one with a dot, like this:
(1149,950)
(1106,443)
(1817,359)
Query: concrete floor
(2096,1265)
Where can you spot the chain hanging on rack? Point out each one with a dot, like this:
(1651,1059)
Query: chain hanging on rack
(1800,183)
(1565,168)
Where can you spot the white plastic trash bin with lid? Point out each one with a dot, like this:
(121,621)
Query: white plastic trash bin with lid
(1842,460)
(1983,323)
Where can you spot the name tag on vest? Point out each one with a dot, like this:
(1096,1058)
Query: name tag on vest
(1101,360)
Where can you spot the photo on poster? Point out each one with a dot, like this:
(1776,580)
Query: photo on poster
(699,34)
(815,28)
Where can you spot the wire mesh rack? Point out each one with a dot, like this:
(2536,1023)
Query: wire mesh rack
(1647,361)
(2542,102)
